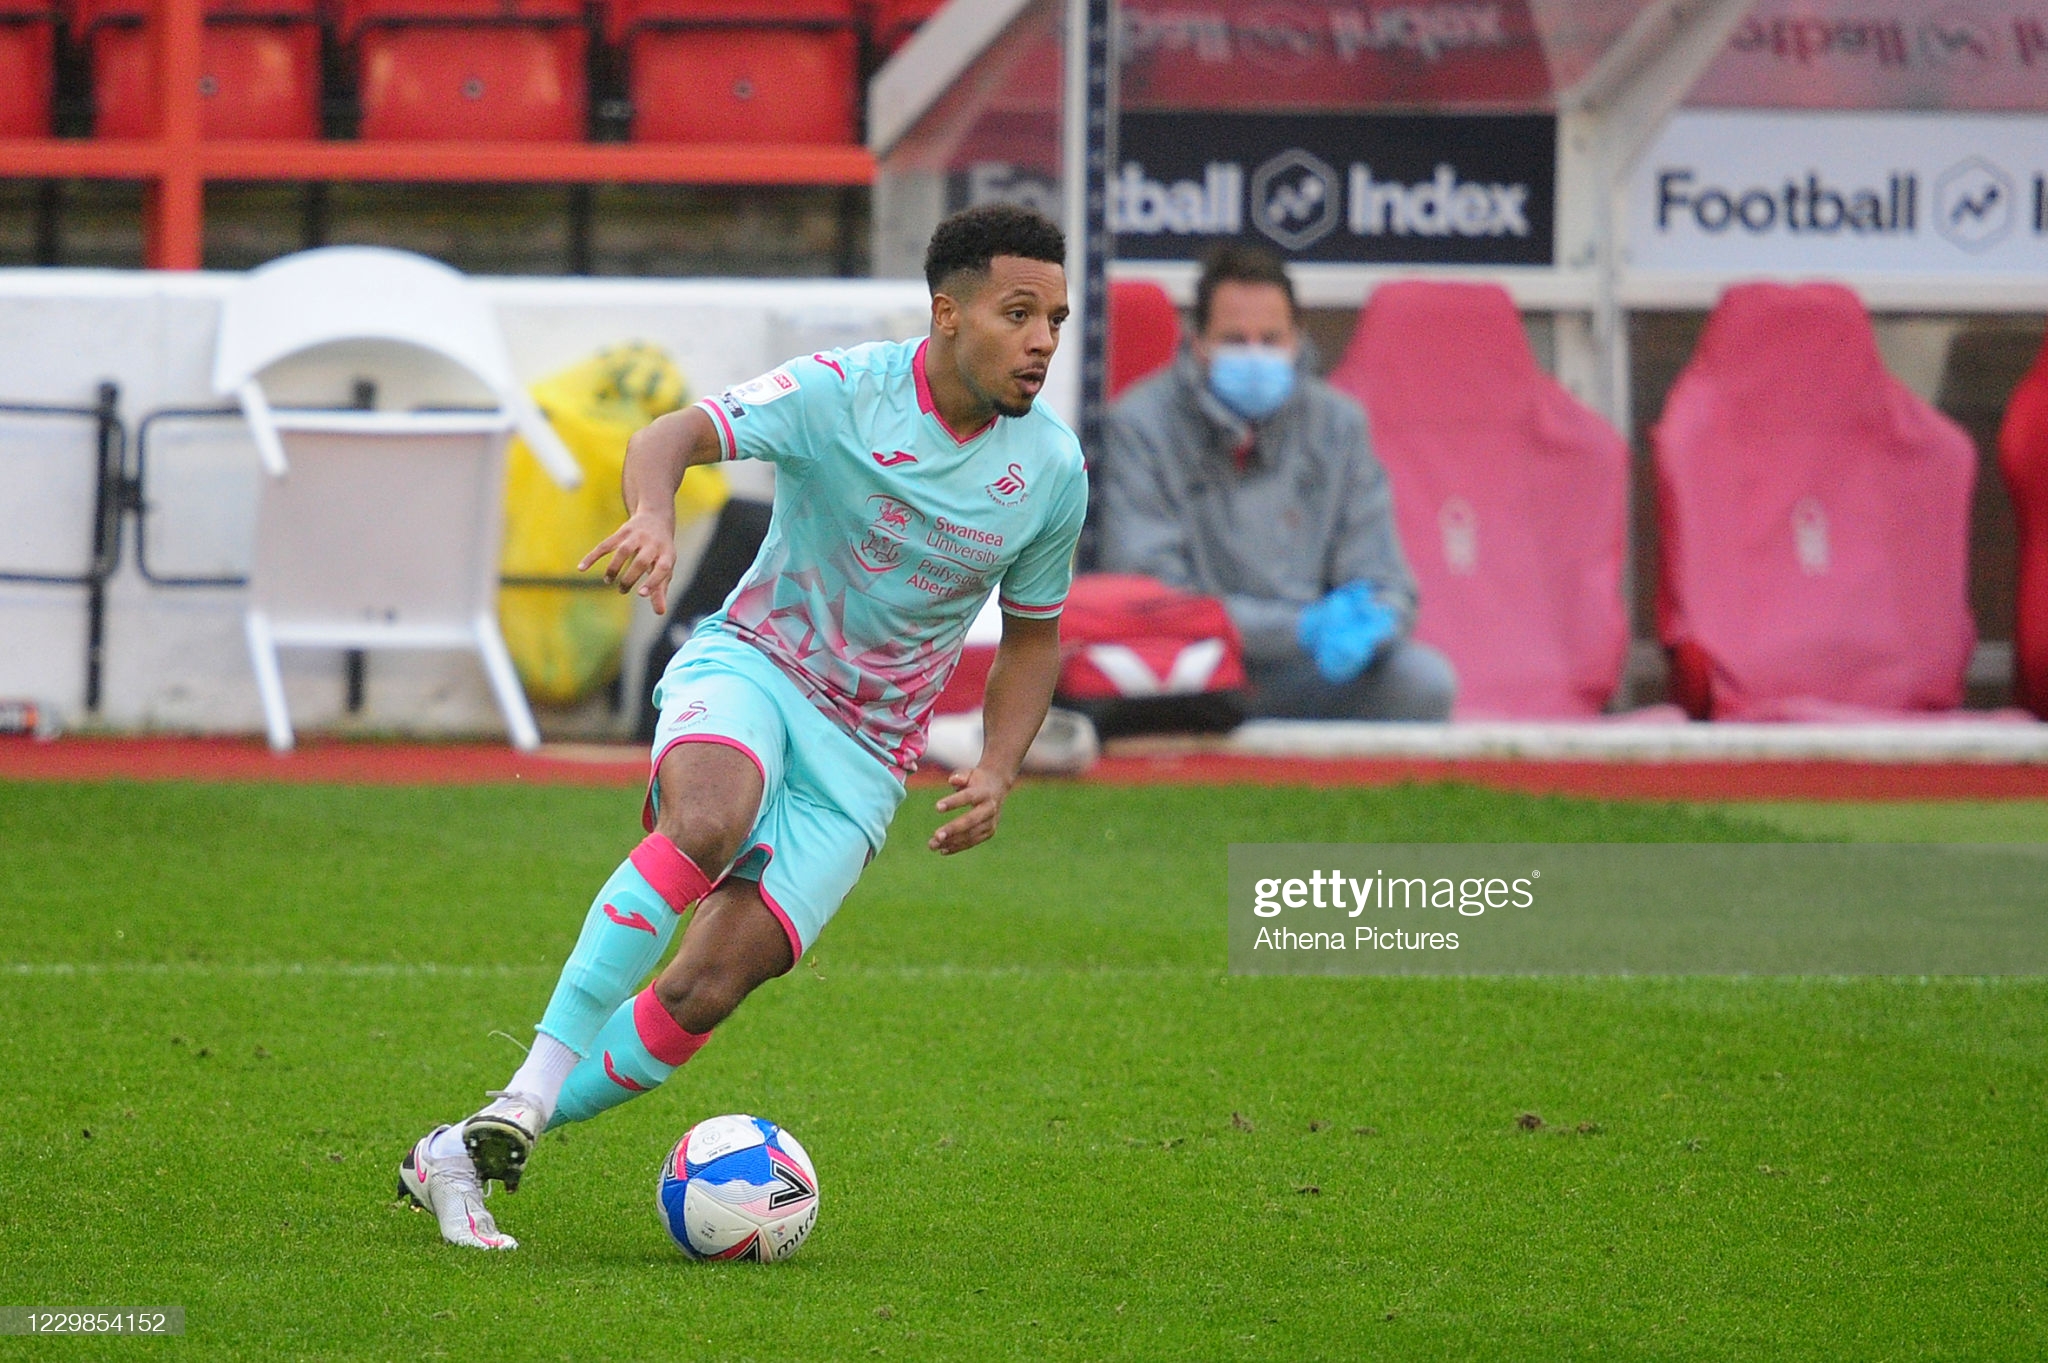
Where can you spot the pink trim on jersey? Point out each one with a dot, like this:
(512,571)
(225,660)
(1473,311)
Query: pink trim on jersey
(673,875)
(654,773)
(661,1034)
(728,443)
(1032,612)
(931,408)
(796,943)
(744,854)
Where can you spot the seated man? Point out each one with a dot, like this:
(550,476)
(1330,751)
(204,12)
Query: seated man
(1237,474)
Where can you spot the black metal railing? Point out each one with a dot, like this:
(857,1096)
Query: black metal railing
(113,494)
(143,431)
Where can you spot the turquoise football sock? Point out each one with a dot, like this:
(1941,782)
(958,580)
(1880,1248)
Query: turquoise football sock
(637,1049)
(629,926)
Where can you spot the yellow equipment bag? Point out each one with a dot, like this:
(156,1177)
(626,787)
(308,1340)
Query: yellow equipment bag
(566,641)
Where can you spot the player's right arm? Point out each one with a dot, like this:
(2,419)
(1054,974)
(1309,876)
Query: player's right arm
(643,550)
(768,418)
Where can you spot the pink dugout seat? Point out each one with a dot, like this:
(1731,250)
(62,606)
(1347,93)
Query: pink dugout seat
(1815,517)
(1511,497)
(1144,333)
(2023,458)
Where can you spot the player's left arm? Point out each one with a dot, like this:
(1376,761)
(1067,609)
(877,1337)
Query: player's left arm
(1020,686)
(1026,667)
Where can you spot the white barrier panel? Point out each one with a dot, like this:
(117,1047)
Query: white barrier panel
(176,658)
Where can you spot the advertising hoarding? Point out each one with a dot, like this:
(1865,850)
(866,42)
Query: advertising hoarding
(1408,189)
(1842,193)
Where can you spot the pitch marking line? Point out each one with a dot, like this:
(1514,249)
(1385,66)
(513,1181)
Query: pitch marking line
(429,969)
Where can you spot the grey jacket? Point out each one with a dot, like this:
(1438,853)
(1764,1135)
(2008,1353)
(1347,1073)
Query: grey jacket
(1309,512)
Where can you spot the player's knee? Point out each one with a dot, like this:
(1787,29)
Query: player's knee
(702,997)
(710,797)
(710,837)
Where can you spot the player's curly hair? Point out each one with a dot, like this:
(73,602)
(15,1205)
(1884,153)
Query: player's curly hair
(971,238)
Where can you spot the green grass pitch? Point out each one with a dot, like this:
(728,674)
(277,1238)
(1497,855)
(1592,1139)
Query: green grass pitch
(1047,1124)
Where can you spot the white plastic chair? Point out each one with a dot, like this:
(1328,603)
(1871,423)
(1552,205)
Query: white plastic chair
(377,529)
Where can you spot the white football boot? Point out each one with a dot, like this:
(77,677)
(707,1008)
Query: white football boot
(501,1136)
(449,1189)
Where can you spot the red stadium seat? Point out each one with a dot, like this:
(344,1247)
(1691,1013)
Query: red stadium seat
(1815,518)
(1511,497)
(1144,332)
(259,74)
(897,21)
(740,70)
(485,70)
(2023,458)
(27,68)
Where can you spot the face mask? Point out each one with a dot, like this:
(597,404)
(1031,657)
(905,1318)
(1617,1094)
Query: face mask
(1251,380)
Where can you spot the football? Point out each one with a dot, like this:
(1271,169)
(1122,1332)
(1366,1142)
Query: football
(737,1187)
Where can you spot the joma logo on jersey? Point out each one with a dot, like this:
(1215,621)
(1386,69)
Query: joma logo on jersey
(894,457)
(1009,489)
(881,547)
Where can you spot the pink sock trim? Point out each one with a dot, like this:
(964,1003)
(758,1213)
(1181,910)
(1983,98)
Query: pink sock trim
(661,1034)
(674,876)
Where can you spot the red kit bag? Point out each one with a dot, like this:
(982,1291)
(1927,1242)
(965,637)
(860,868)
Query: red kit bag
(2023,457)
(1138,656)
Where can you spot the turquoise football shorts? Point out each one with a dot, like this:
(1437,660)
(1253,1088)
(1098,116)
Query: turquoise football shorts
(826,802)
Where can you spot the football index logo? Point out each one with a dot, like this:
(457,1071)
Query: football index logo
(1974,204)
(1294,199)
(1297,199)
(1952,39)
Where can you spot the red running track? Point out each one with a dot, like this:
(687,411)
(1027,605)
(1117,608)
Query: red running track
(234,759)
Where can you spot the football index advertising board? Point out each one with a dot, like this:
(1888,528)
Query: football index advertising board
(1412,189)
(1836,193)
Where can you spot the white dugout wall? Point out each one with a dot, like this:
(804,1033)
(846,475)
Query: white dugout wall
(174,658)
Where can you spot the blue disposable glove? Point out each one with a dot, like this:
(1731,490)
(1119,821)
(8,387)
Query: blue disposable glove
(1343,631)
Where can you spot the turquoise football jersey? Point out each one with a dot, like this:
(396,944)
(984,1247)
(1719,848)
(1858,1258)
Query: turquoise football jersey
(889,531)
